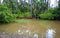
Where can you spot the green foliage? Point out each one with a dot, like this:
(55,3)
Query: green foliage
(57,11)
(3,7)
(38,6)
(23,7)
(6,15)
(28,14)
(50,14)
(21,15)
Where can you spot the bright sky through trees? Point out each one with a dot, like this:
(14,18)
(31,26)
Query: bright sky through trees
(53,3)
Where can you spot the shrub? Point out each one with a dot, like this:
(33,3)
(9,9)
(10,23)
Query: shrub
(50,14)
(27,14)
(20,15)
(23,15)
(57,11)
(6,15)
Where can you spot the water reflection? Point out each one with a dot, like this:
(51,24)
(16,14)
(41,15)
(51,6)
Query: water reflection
(27,34)
(22,28)
(27,31)
(19,32)
(50,33)
(35,36)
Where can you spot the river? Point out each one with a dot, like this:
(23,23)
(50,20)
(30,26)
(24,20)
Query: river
(35,28)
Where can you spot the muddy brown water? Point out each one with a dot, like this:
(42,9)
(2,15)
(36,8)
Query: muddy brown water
(38,28)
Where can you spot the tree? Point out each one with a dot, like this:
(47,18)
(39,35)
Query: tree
(59,4)
(38,6)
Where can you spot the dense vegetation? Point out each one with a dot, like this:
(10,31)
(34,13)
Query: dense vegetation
(5,14)
(10,10)
(49,14)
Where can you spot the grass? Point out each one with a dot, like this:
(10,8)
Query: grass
(23,20)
